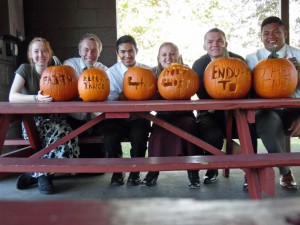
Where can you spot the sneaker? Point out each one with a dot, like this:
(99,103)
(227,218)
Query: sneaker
(211,176)
(25,181)
(287,181)
(150,178)
(117,179)
(245,185)
(45,184)
(194,179)
(134,179)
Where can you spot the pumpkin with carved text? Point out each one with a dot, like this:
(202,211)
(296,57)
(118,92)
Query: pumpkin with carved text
(275,77)
(60,82)
(93,85)
(227,78)
(139,83)
(178,81)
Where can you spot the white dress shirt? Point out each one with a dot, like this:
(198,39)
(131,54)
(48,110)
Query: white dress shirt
(78,65)
(116,75)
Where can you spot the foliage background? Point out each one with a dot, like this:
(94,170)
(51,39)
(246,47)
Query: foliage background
(185,22)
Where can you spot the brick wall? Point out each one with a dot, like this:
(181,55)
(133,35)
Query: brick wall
(63,22)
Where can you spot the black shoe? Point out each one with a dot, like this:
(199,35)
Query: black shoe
(150,178)
(117,179)
(194,179)
(245,185)
(25,181)
(211,176)
(45,184)
(134,179)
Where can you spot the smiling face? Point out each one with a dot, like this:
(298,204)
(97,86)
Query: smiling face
(167,54)
(39,54)
(89,52)
(273,34)
(127,52)
(213,43)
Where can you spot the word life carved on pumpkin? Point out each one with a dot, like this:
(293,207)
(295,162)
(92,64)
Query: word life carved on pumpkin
(176,78)
(57,79)
(273,78)
(227,76)
(94,82)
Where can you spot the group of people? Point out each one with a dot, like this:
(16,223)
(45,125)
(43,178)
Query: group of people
(271,124)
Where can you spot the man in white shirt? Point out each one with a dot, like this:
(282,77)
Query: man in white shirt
(89,49)
(137,130)
(273,124)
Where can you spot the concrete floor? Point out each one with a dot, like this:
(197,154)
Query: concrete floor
(170,185)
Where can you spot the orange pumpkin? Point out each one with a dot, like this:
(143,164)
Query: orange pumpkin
(227,78)
(178,82)
(93,85)
(60,82)
(139,83)
(275,77)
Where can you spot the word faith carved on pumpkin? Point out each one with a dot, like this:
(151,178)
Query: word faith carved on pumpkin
(57,79)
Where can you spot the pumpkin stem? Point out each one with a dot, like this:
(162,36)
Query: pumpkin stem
(225,52)
(273,54)
(180,60)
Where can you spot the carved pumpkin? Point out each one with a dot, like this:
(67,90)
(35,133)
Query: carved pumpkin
(93,85)
(275,77)
(178,82)
(139,83)
(60,82)
(227,78)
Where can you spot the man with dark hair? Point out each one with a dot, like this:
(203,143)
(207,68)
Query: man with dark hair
(273,124)
(211,124)
(137,130)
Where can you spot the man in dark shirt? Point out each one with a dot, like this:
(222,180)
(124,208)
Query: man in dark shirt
(211,124)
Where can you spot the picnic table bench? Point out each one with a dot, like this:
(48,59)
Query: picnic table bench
(258,168)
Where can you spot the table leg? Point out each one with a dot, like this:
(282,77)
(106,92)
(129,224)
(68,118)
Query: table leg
(4,121)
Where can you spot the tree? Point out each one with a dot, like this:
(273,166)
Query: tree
(185,22)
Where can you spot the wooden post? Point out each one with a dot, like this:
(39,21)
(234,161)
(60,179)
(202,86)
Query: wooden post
(284,6)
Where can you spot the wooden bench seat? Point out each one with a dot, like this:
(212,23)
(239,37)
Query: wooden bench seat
(82,140)
(95,165)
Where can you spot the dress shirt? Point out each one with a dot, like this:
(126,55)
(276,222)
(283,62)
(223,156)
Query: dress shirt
(116,75)
(78,65)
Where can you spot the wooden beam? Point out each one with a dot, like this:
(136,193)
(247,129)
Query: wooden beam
(284,6)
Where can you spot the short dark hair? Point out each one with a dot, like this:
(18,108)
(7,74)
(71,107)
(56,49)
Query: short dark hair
(215,30)
(126,39)
(272,19)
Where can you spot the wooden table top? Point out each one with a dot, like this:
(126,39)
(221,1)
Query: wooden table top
(145,106)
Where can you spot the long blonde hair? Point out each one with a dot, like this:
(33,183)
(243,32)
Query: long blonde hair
(159,66)
(47,45)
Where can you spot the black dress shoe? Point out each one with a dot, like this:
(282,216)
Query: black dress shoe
(25,181)
(117,179)
(134,179)
(194,179)
(211,176)
(150,178)
(45,184)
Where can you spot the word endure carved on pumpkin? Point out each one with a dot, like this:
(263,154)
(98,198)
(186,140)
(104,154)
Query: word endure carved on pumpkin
(227,76)
(57,79)
(94,82)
